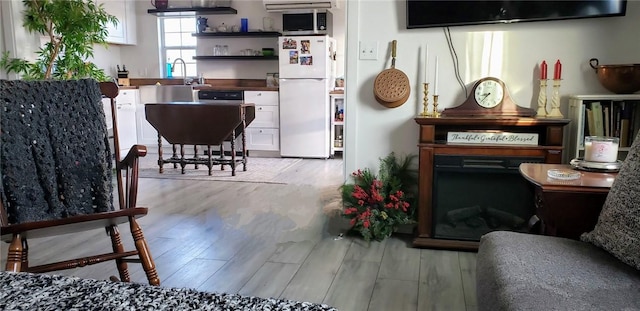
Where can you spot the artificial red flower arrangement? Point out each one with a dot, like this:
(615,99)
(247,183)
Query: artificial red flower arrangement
(378,204)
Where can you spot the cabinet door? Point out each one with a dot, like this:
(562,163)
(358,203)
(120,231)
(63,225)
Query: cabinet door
(116,8)
(265,139)
(124,32)
(126,118)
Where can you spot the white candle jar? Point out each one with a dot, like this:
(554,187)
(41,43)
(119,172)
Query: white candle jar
(601,149)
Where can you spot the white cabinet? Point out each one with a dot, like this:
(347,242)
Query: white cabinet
(126,118)
(337,122)
(124,32)
(147,134)
(264,132)
(602,115)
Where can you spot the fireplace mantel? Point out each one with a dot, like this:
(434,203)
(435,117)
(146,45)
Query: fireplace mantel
(433,141)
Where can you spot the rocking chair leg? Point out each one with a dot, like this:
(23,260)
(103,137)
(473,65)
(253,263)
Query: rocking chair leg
(116,243)
(14,256)
(25,255)
(143,251)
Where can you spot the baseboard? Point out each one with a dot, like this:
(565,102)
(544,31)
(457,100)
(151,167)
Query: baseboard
(263,154)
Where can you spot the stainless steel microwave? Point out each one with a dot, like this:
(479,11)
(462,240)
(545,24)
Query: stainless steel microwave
(306,23)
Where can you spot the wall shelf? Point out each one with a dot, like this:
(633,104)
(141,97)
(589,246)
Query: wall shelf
(191,11)
(265,34)
(235,57)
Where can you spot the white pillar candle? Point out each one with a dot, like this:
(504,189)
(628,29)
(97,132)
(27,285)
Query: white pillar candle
(435,82)
(426,63)
(601,149)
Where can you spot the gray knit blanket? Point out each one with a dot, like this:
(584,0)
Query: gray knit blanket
(54,150)
(26,291)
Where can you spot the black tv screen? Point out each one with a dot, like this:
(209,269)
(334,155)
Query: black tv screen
(438,13)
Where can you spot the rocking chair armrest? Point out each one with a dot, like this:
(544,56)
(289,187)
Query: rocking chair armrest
(128,191)
(136,151)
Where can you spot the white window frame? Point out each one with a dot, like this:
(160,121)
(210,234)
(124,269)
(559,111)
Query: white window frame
(164,47)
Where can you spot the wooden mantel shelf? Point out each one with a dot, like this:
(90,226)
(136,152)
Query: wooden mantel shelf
(490,120)
(433,142)
(434,130)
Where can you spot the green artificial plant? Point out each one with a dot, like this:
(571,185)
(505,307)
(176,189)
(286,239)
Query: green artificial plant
(72,28)
(377,204)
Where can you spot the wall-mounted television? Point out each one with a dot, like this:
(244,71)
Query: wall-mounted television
(439,13)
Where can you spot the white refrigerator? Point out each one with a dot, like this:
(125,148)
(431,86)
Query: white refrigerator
(306,73)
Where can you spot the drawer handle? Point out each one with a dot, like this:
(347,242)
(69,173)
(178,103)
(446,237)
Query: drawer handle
(259,94)
(260,108)
(260,131)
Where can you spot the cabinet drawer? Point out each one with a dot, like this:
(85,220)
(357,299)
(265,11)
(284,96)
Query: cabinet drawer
(263,139)
(261,98)
(266,116)
(127,97)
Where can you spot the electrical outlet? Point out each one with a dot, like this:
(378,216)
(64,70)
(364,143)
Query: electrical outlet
(369,50)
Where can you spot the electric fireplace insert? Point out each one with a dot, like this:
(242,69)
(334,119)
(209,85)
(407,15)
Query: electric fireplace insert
(473,195)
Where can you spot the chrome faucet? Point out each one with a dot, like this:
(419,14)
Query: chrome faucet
(186,80)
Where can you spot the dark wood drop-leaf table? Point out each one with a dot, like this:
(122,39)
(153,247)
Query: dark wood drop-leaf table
(201,124)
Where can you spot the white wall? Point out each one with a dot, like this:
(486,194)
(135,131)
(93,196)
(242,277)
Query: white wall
(15,39)
(142,59)
(514,54)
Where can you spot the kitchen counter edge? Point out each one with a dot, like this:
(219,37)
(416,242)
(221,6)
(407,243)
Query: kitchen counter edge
(220,88)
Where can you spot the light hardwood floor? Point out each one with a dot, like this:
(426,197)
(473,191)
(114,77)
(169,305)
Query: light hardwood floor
(275,240)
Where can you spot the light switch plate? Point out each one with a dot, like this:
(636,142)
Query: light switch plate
(369,50)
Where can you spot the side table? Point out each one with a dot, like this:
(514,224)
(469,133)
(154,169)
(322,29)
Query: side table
(567,208)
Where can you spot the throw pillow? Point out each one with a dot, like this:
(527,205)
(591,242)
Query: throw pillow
(618,228)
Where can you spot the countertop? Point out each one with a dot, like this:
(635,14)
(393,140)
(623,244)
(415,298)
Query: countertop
(215,84)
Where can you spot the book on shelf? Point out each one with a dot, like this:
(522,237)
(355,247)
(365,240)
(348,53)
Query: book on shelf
(598,122)
(590,126)
(625,124)
(635,120)
(607,121)
(616,119)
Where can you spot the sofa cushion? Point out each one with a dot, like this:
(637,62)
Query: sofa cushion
(517,271)
(618,228)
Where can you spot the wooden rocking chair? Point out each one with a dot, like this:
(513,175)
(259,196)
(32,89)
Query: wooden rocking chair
(56,173)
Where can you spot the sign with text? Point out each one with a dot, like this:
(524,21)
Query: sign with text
(492,138)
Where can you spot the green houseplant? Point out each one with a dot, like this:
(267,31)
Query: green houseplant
(72,28)
(377,204)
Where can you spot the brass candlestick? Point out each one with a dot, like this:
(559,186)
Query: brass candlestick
(425,101)
(435,114)
(555,101)
(542,99)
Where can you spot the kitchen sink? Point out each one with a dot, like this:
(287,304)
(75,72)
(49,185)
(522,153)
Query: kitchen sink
(176,93)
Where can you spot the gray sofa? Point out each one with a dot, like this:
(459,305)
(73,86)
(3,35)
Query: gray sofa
(517,271)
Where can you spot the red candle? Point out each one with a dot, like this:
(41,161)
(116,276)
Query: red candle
(557,71)
(543,70)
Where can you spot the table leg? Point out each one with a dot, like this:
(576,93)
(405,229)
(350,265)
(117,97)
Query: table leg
(233,153)
(244,146)
(182,162)
(222,156)
(160,160)
(210,159)
(195,155)
(175,156)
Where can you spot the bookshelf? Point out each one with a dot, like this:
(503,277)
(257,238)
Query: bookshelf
(615,115)
(337,123)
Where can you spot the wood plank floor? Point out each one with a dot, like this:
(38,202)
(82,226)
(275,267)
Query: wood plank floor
(275,240)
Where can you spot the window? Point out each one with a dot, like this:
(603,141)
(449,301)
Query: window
(176,41)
